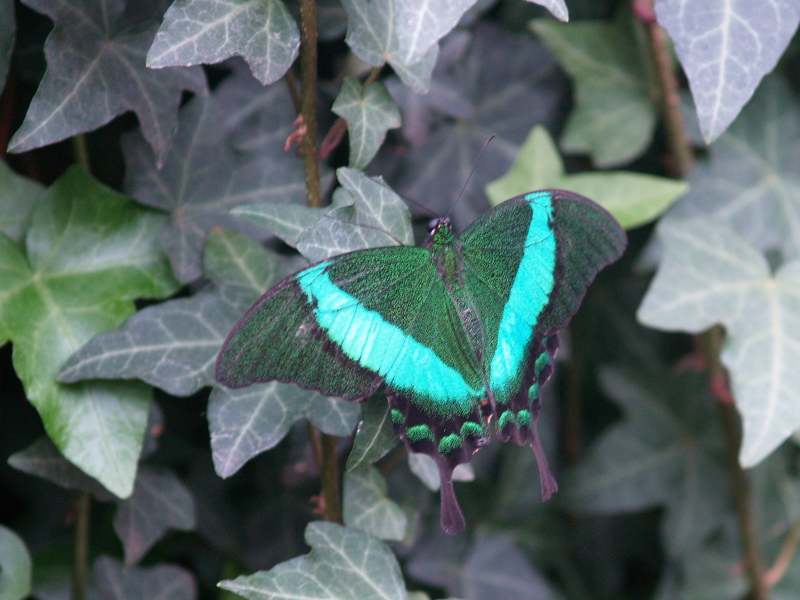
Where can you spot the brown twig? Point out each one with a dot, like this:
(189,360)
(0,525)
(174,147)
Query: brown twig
(308,87)
(80,551)
(748,524)
(329,472)
(680,149)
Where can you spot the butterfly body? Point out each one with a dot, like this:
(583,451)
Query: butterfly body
(461,331)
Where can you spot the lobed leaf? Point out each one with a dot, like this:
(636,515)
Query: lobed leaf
(209,31)
(162,582)
(19,194)
(725,48)
(369,115)
(159,502)
(344,564)
(368,508)
(375,436)
(710,275)
(633,198)
(89,253)
(15,566)
(96,71)
(421,24)
(615,112)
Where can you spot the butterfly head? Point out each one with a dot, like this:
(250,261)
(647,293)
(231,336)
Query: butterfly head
(440,232)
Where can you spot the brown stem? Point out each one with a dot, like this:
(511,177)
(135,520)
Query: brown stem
(80,556)
(80,151)
(784,558)
(330,480)
(748,524)
(294,93)
(308,69)
(678,142)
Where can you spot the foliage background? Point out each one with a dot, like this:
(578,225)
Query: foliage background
(147,199)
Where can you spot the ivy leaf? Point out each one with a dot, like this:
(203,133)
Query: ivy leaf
(17,197)
(159,502)
(751,178)
(43,459)
(96,71)
(7,30)
(114,581)
(368,508)
(289,221)
(202,179)
(174,345)
(633,198)
(664,452)
(424,467)
(202,31)
(725,49)
(377,217)
(369,116)
(343,563)
(482,73)
(15,566)
(372,35)
(375,435)
(248,421)
(615,99)
(558,8)
(492,566)
(89,253)
(710,275)
(421,24)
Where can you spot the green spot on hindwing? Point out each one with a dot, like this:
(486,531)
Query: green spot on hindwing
(524,418)
(505,418)
(471,428)
(398,418)
(542,362)
(419,432)
(449,443)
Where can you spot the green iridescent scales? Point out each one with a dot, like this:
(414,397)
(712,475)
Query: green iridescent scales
(461,331)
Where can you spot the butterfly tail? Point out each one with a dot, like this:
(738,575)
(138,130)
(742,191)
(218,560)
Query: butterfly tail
(452,517)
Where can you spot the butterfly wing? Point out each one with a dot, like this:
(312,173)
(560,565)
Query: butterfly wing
(527,265)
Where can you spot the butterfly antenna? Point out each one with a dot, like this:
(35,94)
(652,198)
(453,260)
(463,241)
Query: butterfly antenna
(366,227)
(379,181)
(475,166)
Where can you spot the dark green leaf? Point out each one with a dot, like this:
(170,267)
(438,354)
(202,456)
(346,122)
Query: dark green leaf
(163,582)
(375,436)
(421,24)
(663,453)
(174,345)
(710,275)
(343,564)
(368,508)
(17,198)
(159,502)
(203,31)
(248,421)
(7,30)
(96,71)
(616,102)
(89,253)
(726,49)
(369,116)
(15,566)
(633,198)
(202,180)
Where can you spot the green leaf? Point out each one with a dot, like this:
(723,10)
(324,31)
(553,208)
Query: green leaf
(426,470)
(368,508)
(159,502)
(377,217)
(373,38)
(203,179)
(375,435)
(89,253)
(558,8)
(203,31)
(421,24)
(96,71)
(174,345)
(15,566)
(633,198)
(663,453)
(289,221)
(17,196)
(343,564)
(615,100)
(7,30)
(369,116)
(751,178)
(248,421)
(710,275)
(726,51)
(113,580)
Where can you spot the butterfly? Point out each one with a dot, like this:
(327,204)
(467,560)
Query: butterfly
(461,331)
